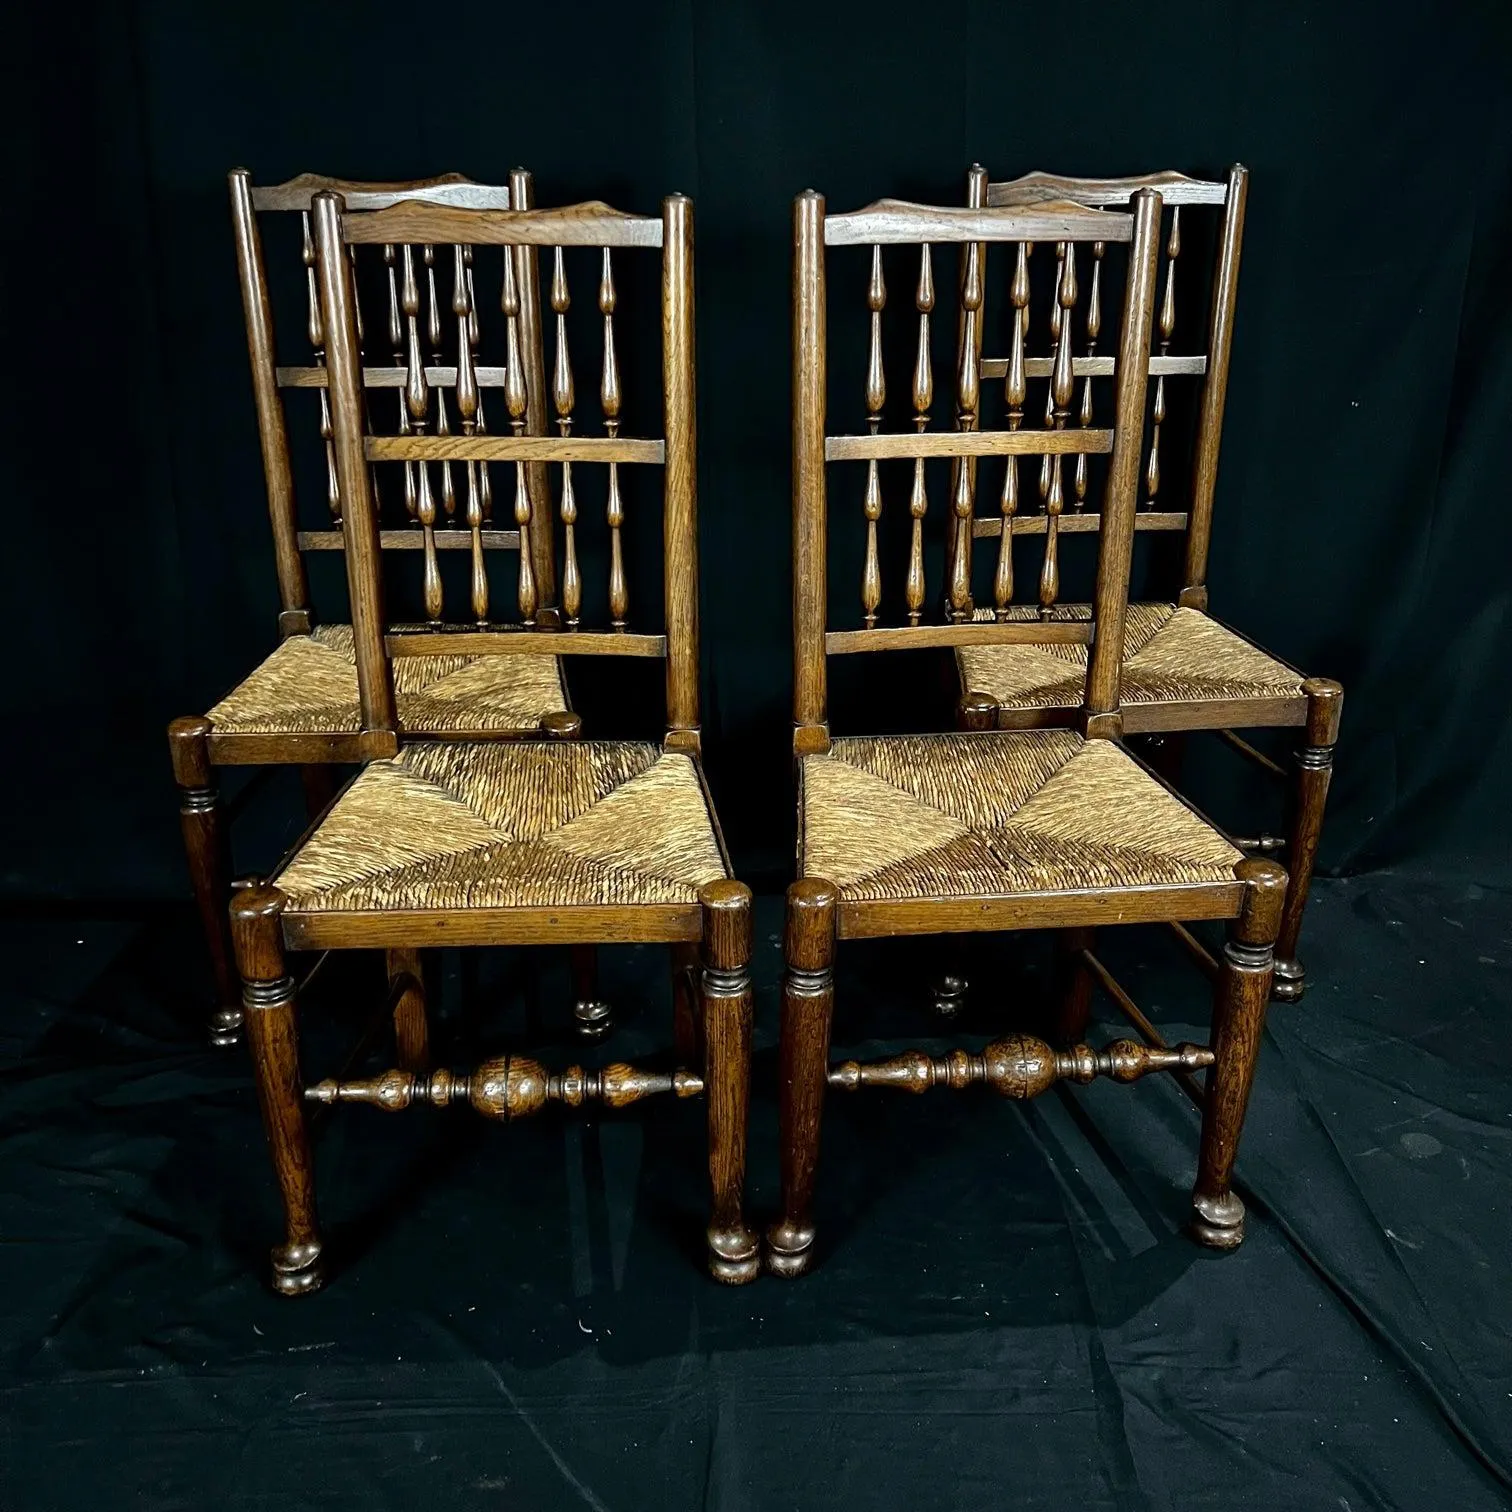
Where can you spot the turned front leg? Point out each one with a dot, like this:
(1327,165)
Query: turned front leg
(726,992)
(808,1004)
(1325,703)
(272,1035)
(209,857)
(1240,995)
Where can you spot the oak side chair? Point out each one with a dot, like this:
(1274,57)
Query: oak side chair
(301,704)
(536,841)
(992,829)
(1183,669)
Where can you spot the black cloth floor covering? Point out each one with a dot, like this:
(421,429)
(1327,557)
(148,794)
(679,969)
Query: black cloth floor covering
(1005,1313)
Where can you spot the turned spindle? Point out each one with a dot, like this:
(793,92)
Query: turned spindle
(876,396)
(923,397)
(1015,390)
(315,330)
(417,402)
(1062,388)
(509,1087)
(467,414)
(515,400)
(396,344)
(609,398)
(1094,329)
(1167,330)
(562,396)
(433,337)
(968,400)
(1019,1066)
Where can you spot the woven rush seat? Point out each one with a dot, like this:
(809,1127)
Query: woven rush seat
(309,686)
(533,824)
(1171,655)
(993,814)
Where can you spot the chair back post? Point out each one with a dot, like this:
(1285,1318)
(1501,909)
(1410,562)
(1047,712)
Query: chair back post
(1194,593)
(1100,715)
(680,477)
(527,261)
(257,308)
(810,572)
(359,522)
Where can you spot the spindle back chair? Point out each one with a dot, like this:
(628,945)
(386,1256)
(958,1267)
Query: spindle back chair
(988,829)
(1183,670)
(301,704)
(534,842)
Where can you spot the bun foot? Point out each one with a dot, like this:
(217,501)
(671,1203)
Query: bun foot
(789,1249)
(1217,1222)
(297,1269)
(1290,982)
(226,1028)
(734,1256)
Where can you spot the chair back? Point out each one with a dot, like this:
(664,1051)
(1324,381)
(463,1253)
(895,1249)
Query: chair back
(414,289)
(1058,448)
(483,626)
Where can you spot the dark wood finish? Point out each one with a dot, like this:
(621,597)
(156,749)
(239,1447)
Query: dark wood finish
(716,1028)
(592,1017)
(986,633)
(808,1001)
(1019,1067)
(257,309)
(408,540)
(967,444)
(1073,1005)
(508,1087)
(680,508)
(1244,985)
(810,527)
(891,222)
(375,684)
(1325,705)
(734,1254)
(272,1035)
(208,852)
(1076,524)
(407,992)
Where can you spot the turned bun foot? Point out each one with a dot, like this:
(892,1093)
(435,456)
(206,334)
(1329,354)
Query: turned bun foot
(789,1249)
(1290,982)
(734,1256)
(1217,1222)
(297,1269)
(950,997)
(226,1028)
(592,1018)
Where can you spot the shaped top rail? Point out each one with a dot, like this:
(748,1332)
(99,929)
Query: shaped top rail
(445,189)
(1044,189)
(891,222)
(591,224)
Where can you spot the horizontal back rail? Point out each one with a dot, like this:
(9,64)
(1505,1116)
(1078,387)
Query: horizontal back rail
(1038,188)
(592,224)
(445,189)
(967,444)
(921,637)
(1096,367)
(1088,523)
(453,538)
(890,222)
(489,448)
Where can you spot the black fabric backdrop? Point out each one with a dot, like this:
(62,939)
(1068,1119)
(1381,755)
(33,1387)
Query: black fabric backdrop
(1362,528)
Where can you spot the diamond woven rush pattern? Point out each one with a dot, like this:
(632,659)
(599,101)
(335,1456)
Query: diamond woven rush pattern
(993,814)
(1170,655)
(536,824)
(308,685)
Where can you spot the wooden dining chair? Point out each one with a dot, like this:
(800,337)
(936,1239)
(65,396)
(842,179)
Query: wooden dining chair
(1184,670)
(991,829)
(537,841)
(301,704)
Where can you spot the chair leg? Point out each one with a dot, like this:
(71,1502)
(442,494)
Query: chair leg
(734,1253)
(209,856)
(1242,990)
(1325,702)
(406,976)
(319,782)
(591,1015)
(1073,1005)
(272,1034)
(687,1031)
(808,1003)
